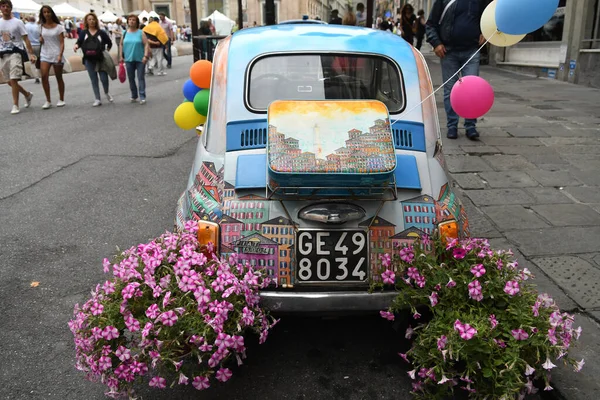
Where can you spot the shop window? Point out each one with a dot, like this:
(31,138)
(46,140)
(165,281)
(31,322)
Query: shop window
(592,31)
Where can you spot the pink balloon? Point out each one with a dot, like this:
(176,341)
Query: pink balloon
(471,97)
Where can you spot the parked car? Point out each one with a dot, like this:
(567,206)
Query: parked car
(317,158)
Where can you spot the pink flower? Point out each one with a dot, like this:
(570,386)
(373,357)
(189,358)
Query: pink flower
(579,365)
(223,374)
(123,353)
(529,370)
(420,281)
(110,332)
(407,254)
(426,240)
(388,277)
(511,288)
(413,273)
(519,334)
(386,260)
(387,315)
(500,343)
(493,320)
(416,315)
(548,364)
(404,357)
(158,382)
(104,363)
(96,308)
(412,373)
(152,311)
(468,332)
(478,270)
(450,283)
(183,380)
(168,318)
(106,265)
(433,299)
(409,332)
(200,383)
(475,290)
(441,343)
(459,253)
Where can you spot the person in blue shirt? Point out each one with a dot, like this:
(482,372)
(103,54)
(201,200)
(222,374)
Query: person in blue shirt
(33,32)
(135,54)
(453,31)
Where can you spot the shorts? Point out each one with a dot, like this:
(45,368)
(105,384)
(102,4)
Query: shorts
(11,66)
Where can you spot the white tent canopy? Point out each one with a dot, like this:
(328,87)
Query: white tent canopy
(143,14)
(108,17)
(26,6)
(223,25)
(67,10)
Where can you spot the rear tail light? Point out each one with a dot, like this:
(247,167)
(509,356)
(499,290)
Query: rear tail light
(208,232)
(448,230)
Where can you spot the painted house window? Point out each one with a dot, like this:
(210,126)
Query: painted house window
(261,262)
(250,215)
(282,253)
(271,262)
(266,230)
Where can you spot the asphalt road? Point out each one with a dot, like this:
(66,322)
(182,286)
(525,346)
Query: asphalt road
(75,183)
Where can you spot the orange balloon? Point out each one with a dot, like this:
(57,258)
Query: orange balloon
(201,73)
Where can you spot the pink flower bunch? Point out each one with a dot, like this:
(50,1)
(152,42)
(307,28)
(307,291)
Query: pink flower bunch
(389,278)
(147,321)
(475,290)
(466,331)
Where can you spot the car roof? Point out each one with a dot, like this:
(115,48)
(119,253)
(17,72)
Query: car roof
(302,21)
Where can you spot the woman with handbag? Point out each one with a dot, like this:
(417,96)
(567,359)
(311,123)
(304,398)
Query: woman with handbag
(52,42)
(93,41)
(135,54)
(408,23)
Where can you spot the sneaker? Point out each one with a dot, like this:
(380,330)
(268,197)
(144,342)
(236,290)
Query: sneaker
(169,66)
(28,99)
(143,101)
(15,110)
(109,97)
(472,134)
(132,100)
(60,103)
(97,103)
(452,133)
(162,73)
(46,105)
(37,80)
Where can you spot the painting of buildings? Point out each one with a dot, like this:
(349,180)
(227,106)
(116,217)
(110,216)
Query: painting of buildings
(380,233)
(231,229)
(228,196)
(420,212)
(281,230)
(407,238)
(259,252)
(252,210)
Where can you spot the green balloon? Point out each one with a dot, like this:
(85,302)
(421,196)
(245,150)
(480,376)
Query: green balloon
(201,102)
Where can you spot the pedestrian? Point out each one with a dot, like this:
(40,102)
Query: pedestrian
(156,39)
(361,15)
(117,32)
(68,26)
(454,33)
(144,23)
(52,39)
(349,17)
(93,42)
(168,28)
(420,28)
(335,18)
(407,22)
(33,33)
(135,54)
(13,40)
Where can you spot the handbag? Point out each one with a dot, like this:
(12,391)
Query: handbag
(122,73)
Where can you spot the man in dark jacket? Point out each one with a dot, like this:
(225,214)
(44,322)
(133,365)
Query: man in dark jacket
(453,31)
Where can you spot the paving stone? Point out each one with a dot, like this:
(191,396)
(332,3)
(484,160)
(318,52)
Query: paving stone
(556,241)
(452,151)
(511,121)
(590,178)
(544,195)
(554,178)
(568,215)
(524,150)
(503,162)
(466,164)
(526,132)
(585,194)
(514,217)
(511,141)
(545,159)
(508,179)
(583,162)
(578,149)
(479,150)
(490,197)
(469,181)
(579,278)
(583,385)
(595,207)
(492,132)
(479,224)
(567,141)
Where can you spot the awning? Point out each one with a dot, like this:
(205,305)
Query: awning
(67,10)
(26,6)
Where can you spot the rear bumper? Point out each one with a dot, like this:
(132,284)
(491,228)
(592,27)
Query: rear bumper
(324,302)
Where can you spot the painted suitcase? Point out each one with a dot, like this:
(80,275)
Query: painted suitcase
(328,144)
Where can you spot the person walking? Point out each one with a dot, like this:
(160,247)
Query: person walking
(135,54)
(12,37)
(335,18)
(52,39)
(93,41)
(420,28)
(33,33)
(117,32)
(168,28)
(156,39)
(407,22)
(454,33)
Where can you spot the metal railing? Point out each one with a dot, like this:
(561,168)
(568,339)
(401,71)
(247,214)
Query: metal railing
(204,47)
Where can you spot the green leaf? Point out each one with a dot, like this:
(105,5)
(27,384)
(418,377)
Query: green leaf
(487,373)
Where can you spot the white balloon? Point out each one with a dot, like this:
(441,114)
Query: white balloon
(490,31)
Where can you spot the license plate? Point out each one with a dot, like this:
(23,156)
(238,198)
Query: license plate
(332,256)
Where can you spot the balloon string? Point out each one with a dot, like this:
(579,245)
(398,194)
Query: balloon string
(449,79)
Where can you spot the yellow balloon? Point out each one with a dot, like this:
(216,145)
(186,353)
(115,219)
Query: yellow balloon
(186,117)
(489,27)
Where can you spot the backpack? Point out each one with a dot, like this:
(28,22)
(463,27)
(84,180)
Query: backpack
(92,46)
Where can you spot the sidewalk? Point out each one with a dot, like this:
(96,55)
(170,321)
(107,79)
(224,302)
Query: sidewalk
(532,183)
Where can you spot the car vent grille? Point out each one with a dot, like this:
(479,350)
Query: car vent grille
(403,139)
(252,138)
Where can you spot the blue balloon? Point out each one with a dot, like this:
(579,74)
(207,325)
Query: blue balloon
(190,90)
(519,17)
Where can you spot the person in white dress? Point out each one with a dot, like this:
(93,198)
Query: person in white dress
(52,39)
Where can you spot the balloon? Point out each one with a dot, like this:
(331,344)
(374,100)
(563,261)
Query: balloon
(190,90)
(201,73)
(518,17)
(186,117)
(201,102)
(471,97)
(488,28)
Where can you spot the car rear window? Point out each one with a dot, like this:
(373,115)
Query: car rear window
(324,77)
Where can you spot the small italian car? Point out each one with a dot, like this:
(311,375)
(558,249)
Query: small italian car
(321,152)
